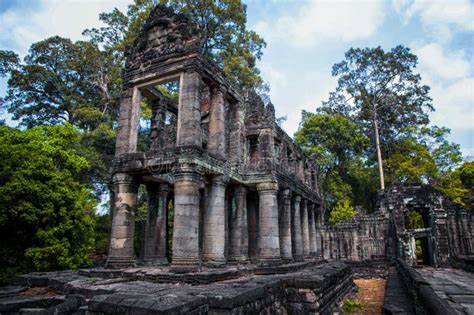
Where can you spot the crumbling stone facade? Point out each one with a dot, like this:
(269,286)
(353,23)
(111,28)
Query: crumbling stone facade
(445,237)
(240,189)
(447,232)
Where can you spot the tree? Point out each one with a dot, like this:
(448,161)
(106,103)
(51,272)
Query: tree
(222,25)
(343,211)
(46,212)
(381,91)
(338,143)
(459,186)
(411,163)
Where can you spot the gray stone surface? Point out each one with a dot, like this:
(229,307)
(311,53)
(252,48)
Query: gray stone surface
(453,285)
(314,289)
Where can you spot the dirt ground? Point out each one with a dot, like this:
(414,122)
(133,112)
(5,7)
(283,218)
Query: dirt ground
(39,291)
(370,295)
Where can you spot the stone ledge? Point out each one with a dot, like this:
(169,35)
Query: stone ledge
(311,289)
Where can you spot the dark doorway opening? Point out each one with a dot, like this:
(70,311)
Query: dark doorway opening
(422,251)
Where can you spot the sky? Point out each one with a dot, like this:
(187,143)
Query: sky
(304,39)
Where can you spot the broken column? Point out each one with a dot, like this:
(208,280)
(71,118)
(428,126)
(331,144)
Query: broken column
(296,233)
(121,252)
(238,250)
(268,232)
(186,219)
(214,224)
(285,226)
(156,224)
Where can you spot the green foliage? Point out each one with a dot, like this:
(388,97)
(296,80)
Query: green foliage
(46,213)
(418,248)
(8,61)
(411,163)
(102,234)
(351,306)
(458,186)
(381,82)
(338,143)
(342,211)
(414,220)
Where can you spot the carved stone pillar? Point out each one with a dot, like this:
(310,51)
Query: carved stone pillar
(217,126)
(214,224)
(305,228)
(127,131)
(312,230)
(285,226)
(296,233)
(189,111)
(121,253)
(155,229)
(186,219)
(319,231)
(238,250)
(268,234)
(252,222)
(157,127)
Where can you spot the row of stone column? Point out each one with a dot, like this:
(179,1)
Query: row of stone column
(286,226)
(298,219)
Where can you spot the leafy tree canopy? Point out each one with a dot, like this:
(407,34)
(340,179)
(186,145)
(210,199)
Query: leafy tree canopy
(46,213)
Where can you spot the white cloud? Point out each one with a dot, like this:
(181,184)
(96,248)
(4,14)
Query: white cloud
(449,74)
(321,20)
(435,62)
(312,88)
(441,18)
(454,104)
(21,25)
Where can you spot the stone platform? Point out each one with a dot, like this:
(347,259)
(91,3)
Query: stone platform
(307,289)
(454,286)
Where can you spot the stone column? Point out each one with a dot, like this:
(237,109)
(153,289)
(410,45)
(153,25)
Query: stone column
(214,224)
(155,229)
(312,230)
(252,222)
(157,126)
(238,249)
(268,234)
(305,228)
(189,110)
(121,253)
(127,131)
(217,128)
(186,219)
(285,227)
(296,233)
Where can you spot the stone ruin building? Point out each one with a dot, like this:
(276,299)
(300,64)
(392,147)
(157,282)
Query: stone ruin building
(240,189)
(446,235)
(243,197)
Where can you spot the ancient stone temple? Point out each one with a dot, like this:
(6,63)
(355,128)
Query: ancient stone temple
(239,188)
(443,235)
(227,187)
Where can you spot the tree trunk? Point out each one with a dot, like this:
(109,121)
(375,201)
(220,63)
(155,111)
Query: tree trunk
(379,152)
